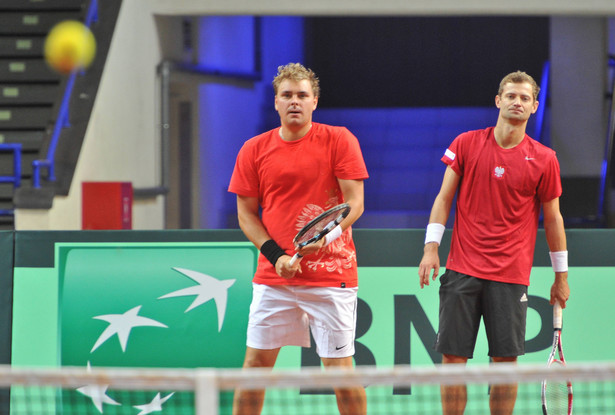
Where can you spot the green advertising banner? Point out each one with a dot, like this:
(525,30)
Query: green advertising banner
(185,304)
(155,305)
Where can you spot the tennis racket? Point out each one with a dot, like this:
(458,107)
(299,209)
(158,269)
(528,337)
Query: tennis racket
(319,227)
(556,395)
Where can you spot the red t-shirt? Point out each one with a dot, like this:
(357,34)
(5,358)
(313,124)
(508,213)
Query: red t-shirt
(296,181)
(498,204)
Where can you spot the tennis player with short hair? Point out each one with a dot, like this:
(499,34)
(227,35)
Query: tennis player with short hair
(502,178)
(283,178)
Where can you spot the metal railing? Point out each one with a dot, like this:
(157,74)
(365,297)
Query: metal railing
(15,178)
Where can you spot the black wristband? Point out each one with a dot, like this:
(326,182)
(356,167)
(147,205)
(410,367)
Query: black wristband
(272,251)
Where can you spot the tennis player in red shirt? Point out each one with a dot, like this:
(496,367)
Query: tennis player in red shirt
(502,178)
(283,178)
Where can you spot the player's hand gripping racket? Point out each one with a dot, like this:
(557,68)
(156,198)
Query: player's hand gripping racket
(556,395)
(319,227)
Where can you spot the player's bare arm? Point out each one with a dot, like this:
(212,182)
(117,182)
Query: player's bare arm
(439,214)
(354,196)
(556,239)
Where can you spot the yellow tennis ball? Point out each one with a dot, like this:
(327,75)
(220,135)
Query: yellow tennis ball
(69,45)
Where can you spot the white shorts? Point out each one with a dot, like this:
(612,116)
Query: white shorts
(281,315)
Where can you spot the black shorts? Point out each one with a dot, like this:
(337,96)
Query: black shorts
(465,299)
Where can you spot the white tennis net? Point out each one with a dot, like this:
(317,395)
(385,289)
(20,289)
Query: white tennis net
(390,391)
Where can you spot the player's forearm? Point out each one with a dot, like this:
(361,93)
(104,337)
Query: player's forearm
(444,200)
(554,226)
(356,210)
(555,233)
(352,190)
(253,228)
(250,221)
(440,210)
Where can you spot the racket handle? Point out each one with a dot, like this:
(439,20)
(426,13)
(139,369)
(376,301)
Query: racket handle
(294,259)
(557,316)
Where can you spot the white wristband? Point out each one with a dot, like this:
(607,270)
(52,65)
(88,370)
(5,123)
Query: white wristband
(559,261)
(434,233)
(333,235)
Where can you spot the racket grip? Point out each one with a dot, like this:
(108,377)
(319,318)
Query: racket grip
(557,316)
(294,259)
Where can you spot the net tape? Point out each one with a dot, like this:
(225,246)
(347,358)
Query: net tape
(402,375)
(209,384)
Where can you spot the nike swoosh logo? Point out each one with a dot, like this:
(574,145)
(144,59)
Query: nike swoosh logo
(339,348)
(529,158)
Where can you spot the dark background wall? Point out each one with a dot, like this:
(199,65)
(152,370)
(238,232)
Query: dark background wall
(421,61)
(406,87)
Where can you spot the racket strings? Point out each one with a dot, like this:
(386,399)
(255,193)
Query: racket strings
(316,228)
(556,396)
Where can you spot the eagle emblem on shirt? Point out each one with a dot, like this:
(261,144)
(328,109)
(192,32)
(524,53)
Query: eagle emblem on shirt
(336,256)
(499,172)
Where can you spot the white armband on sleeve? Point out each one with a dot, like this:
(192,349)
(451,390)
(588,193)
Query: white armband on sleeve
(333,235)
(559,261)
(434,233)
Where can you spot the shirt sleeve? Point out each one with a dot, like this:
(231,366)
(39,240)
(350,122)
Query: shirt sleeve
(452,156)
(550,185)
(348,159)
(244,180)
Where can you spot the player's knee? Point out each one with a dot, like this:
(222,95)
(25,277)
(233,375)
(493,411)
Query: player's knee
(260,358)
(337,362)
(449,358)
(507,359)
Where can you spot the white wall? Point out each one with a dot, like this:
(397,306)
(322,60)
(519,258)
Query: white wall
(122,141)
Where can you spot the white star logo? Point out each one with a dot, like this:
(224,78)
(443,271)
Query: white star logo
(154,406)
(208,288)
(98,394)
(122,324)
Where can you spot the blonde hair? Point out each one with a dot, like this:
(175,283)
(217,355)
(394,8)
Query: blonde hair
(519,77)
(296,72)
